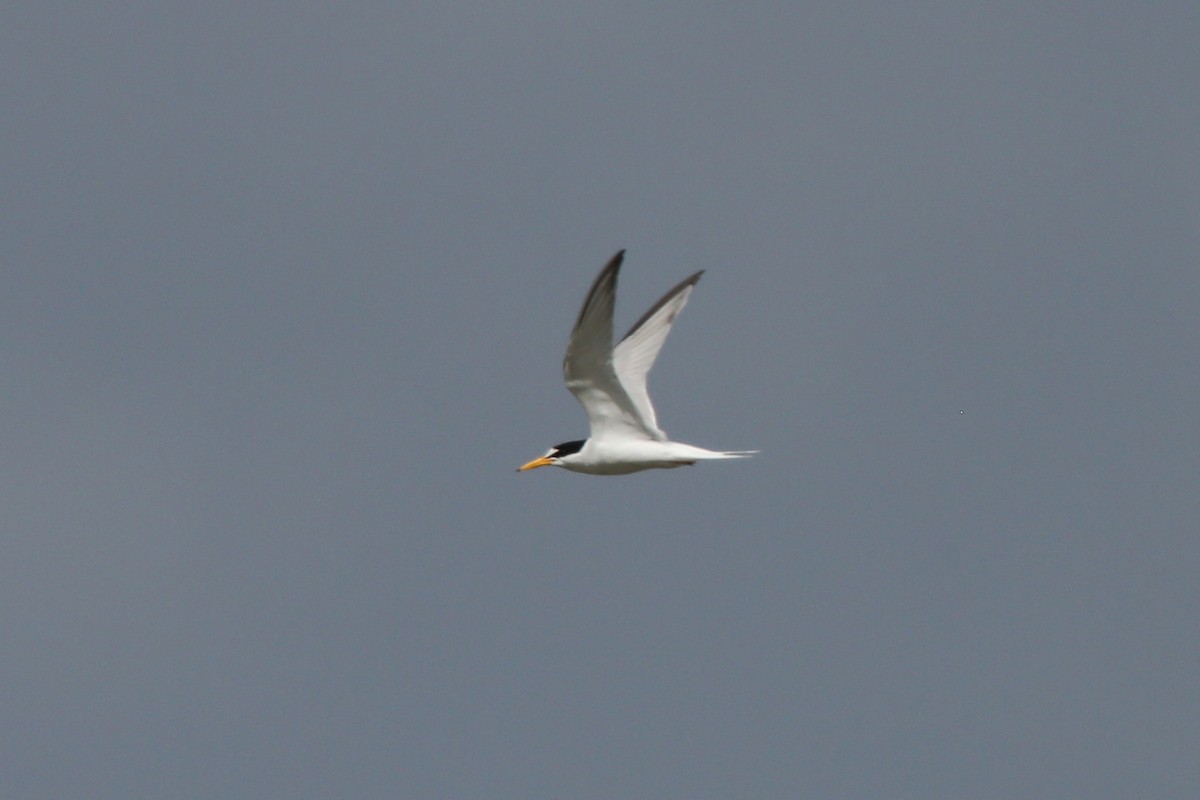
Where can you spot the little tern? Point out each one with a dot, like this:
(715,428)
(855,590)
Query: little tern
(610,383)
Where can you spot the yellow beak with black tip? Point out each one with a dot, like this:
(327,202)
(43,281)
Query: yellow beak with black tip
(544,461)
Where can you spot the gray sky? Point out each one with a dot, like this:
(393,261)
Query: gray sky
(286,293)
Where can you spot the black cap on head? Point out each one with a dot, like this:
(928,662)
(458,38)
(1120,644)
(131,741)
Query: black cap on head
(567,448)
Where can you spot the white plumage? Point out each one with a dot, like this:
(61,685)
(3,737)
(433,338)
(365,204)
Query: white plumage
(610,383)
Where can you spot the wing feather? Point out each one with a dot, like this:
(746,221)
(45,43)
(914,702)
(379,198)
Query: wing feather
(636,353)
(610,383)
(588,366)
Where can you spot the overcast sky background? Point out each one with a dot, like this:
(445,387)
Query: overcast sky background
(286,293)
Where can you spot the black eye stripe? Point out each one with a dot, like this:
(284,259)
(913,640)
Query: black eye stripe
(567,448)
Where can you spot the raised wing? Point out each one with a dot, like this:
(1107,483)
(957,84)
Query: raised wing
(588,366)
(635,355)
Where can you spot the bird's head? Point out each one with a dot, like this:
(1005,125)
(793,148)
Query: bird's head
(555,455)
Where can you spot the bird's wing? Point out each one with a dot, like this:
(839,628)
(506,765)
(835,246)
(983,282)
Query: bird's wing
(588,366)
(634,356)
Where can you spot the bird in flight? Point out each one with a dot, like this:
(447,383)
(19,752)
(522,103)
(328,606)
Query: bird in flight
(610,383)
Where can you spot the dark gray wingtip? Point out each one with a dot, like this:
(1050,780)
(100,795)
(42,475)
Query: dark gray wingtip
(615,262)
(608,275)
(691,280)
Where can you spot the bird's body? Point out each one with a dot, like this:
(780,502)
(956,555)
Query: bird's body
(610,383)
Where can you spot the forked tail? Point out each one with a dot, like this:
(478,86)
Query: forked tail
(715,454)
